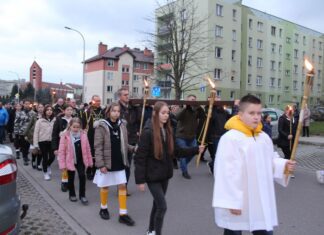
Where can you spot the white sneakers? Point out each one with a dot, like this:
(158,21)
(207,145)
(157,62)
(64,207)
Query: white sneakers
(47,176)
(150,233)
(49,170)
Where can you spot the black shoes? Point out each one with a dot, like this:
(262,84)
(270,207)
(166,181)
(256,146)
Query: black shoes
(33,165)
(90,177)
(210,167)
(186,175)
(73,198)
(84,200)
(64,187)
(104,214)
(126,219)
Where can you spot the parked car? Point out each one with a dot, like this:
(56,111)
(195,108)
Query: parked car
(317,113)
(9,199)
(274,114)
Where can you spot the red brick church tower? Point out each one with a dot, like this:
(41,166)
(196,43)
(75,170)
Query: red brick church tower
(35,75)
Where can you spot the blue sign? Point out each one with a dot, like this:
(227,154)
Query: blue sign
(156,91)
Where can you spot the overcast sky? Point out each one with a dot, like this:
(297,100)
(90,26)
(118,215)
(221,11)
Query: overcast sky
(34,30)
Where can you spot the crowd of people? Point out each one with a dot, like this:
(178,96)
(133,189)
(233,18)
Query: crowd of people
(102,143)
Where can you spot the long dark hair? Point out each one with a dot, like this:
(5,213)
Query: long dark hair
(157,140)
(45,109)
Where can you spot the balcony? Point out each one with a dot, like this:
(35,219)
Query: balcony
(164,84)
(164,48)
(163,31)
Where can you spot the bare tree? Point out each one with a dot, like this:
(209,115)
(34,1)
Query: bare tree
(181,43)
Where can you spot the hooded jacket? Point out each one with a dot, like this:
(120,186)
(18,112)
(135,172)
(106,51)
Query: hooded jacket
(102,144)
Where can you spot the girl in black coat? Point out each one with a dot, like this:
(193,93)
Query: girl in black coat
(153,162)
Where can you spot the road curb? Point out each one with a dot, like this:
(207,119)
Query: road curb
(77,227)
(311,143)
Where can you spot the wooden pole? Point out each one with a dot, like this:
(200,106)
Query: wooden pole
(210,108)
(146,89)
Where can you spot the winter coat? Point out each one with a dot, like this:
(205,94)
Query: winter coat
(284,130)
(66,152)
(267,128)
(147,167)
(29,132)
(60,125)
(43,131)
(306,120)
(188,119)
(4,116)
(102,144)
(22,120)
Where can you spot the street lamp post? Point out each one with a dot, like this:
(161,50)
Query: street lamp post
(83,75)
(18,83)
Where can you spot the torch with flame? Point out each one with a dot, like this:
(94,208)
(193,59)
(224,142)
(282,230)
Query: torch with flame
(307,88)
(146,90)
(210,108)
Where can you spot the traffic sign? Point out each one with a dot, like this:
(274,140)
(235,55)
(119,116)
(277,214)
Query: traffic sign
(156,91)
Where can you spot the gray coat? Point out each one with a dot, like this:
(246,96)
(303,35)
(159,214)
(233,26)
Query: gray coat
(306,120)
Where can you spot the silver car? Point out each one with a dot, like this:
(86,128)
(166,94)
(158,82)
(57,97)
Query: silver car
(9,199)
(274,114)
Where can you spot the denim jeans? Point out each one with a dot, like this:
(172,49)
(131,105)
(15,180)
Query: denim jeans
(185,143)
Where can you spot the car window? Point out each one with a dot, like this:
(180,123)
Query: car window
(273,115)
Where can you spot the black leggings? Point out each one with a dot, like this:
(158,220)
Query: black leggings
(158,191)
(82,178)
(286,150)
(23,145)
(47,153)
(306,131)
(257,232)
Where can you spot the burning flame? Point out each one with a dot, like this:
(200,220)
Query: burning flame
(308,65)
(146,83)
(212,84)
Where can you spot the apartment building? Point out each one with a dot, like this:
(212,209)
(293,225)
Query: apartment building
(117,67)
(255,52)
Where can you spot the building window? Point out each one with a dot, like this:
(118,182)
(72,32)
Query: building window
(319,74)
(304,53)
(272,82)
(250,42)
(145,66)
(273,30)
(286,88)
(218,31)
(313,58)
(232,95)
(273,48)
(137,65)
(110,63)
(250,23)
(259,44)
(109,100)
(287,56)
(273,65)
(136,77)
(110,76)
(279,82)
(287,72)
(234,14)
(259,96)
(250,60)
(219,93)
(295,53)
(296,37)
(280,49)
(313,43)
(135,90)
(280,32)
(125,69)
(271,99)
(110,89)
(320,45)
(303,70)
(218,52)
(233,55)
(304,40)
(319,59)
(249,79)
(318,88)
(295,83)
(259,62)
(288,39)
(183,14)
(279,66)
(217,74)
(278,99)
(219,10)
(234,35)
(203,89)
(260,26)
(125,83)
(259,81)
(295,69)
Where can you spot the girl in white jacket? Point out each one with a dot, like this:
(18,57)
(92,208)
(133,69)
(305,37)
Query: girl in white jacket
(43,137)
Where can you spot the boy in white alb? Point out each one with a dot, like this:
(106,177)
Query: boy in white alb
(245,167)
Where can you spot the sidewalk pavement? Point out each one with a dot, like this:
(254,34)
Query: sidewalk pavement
(312,140)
